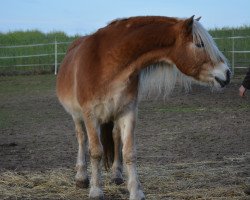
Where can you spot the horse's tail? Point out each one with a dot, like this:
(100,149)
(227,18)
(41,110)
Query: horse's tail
(108,144)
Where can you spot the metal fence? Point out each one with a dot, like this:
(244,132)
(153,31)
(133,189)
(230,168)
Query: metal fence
(48,56)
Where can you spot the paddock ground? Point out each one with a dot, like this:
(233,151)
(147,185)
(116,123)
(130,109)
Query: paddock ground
(191,146)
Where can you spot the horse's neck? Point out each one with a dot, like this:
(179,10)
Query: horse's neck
(142,47)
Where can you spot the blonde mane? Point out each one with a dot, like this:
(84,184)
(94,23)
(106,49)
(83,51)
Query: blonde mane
(160,79)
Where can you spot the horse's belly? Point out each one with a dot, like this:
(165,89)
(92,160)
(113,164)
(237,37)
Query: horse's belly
(110,108)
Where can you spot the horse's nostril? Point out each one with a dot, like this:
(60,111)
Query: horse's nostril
(228,75)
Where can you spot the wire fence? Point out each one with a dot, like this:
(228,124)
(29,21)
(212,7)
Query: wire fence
(32,58)
(46,57)
(237,51)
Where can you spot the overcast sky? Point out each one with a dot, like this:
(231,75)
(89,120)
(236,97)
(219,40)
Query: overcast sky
(83,17)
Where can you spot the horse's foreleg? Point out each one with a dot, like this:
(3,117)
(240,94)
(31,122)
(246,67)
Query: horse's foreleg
(81,177)
(96,151)
(117,164)
(127,124)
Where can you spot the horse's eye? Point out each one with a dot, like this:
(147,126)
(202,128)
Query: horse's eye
(200,45)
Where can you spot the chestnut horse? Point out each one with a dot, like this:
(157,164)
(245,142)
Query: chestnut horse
(103,74)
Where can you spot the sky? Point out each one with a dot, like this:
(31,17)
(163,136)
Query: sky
(83,17)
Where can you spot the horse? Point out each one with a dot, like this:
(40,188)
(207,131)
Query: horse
(104,74)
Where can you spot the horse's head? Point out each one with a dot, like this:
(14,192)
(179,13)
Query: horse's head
(197,55)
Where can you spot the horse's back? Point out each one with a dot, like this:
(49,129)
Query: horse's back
(76,43)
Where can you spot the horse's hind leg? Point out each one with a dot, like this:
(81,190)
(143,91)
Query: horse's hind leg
(96,151)
(117,164)
(127,125)
(81,177)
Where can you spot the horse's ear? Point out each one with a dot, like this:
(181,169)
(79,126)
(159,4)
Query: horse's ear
(198,19)
(188,25)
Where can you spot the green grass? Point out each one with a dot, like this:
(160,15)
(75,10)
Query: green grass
(225,44)
(46,63)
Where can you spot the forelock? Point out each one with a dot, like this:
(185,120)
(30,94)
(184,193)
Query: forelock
(201,35)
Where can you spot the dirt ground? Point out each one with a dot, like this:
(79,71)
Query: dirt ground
(192,145)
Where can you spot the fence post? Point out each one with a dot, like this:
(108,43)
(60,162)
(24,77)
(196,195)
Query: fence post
(232,55)
(55,57)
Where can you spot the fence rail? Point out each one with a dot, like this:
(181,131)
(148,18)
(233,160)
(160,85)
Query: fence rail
(49,55)
(33,45)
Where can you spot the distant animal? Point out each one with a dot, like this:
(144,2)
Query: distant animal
(104,73)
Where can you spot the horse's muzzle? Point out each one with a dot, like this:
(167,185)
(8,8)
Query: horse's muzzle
(223,83)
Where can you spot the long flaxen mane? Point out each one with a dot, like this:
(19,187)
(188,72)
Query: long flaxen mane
(159,79)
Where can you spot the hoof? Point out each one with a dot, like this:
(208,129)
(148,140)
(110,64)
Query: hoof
(96,194)
(137,196)
(82,184)
(247,190)
(117,181)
